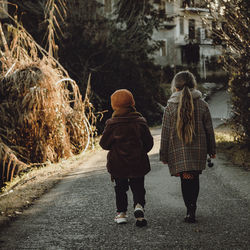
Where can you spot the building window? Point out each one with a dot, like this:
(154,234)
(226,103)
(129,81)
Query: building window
(181,26)
(4,6)
(202,34)
(163,49)
(162,9)
(187,3)
(191,29)
(108,6)
(163,5)
(214,26)
(183,4)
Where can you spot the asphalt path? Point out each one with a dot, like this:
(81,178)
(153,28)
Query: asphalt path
(220,107)
(78,213)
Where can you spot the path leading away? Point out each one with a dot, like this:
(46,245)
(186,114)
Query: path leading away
(220,107)
(78,213)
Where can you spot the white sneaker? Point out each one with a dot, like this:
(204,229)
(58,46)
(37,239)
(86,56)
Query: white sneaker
(121,218)
(139,215)
(139,211)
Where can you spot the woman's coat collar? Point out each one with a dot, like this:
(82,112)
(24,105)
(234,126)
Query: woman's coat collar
(175,97)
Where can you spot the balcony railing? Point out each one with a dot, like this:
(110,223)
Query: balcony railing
(193,4)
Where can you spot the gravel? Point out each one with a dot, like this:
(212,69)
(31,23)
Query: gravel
(79,212)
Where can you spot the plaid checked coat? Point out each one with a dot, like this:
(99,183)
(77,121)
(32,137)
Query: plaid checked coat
(187,157)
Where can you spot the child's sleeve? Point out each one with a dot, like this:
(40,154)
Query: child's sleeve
(208,125)
(147,138)
(165,132)
(107,138)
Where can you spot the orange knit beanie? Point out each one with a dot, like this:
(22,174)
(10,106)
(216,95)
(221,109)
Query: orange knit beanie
(122,98)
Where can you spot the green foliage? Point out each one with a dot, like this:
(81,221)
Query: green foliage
(237,153)
(137,12)
(114,51)
(240,89)
(232,18)
(116,58)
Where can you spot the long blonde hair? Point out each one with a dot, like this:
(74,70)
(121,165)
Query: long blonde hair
(185,81)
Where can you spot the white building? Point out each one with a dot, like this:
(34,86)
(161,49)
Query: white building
(187,37)
(185,33)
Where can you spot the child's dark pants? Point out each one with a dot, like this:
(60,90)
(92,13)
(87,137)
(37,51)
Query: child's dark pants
(121,188)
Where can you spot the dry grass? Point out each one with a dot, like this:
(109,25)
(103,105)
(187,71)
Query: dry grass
(42,115)
(43,118)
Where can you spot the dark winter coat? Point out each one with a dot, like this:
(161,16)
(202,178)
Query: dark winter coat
(128,140)
(187,157)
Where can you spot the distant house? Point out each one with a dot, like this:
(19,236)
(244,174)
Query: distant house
(187,38)
(166,32)
(3,9)
(185,33)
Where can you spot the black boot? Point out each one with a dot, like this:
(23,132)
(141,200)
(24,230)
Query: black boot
(190,191)
(190,218)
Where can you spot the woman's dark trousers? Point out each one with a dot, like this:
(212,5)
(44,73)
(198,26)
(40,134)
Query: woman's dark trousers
(190,191)
(122,186)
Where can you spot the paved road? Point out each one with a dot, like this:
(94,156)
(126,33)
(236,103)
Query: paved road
(78,213)
(220,107)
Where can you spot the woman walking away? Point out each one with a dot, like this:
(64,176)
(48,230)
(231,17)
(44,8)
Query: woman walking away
(187,137)
(128,139)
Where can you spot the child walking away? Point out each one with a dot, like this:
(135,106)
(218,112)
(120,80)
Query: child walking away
(128,139)
(187,137)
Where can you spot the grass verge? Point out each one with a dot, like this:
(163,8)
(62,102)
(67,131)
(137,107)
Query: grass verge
(237,153)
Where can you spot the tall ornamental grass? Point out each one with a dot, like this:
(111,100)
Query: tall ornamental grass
(43,117)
